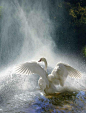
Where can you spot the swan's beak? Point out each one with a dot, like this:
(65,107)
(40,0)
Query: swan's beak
(39,60)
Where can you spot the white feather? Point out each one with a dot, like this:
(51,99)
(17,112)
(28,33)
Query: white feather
(47,82)
(32,67)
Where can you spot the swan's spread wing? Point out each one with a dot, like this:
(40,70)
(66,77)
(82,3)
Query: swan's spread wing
(28,68)
(32,67)
(72,72)
(60,73)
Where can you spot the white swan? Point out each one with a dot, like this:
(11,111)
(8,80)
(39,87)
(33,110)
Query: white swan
(47,82)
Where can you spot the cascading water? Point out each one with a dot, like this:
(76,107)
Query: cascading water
(26,34)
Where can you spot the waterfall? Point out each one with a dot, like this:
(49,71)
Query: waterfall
(26,30)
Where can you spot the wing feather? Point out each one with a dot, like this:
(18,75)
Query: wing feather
(60,73)
(72,72)
(30,68)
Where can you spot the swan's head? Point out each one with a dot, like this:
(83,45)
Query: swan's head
(42,60)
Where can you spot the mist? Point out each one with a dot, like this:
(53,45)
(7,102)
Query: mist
(25,31)
(29,30)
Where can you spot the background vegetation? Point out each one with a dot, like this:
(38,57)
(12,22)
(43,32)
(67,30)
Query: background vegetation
(77,12)
(69,17)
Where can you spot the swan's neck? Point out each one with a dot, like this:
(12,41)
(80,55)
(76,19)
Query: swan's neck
(45,65)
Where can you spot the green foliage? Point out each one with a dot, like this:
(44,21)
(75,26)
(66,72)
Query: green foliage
(0,10)
(84,50)
(78,13)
